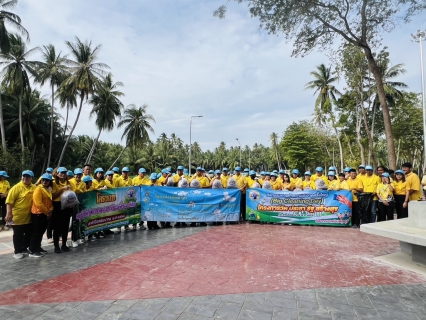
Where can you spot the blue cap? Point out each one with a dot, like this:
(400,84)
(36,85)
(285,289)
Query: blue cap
(109,173)
(274,174)
(159,175)
(153,176)
(211,171)
(225,169)
(347,169)
(47,176)
(78,171)
(29,173)
(237,168)
(369,168)
(125,169)
(246,170)
(399,171)
(361,166)
(252,172)
(142,170)
(319,169)
(275,171)
(332,168)
(200,169)
(308,173)
(262,173)
(185,171)
(116,169)
(281,171)
(217,172)
(99,170)
(49,170)
(165,170)
(267,173)
(295,171)
(87,179)
(70,173)
(385,174)
(4,174)
(180,168)
(331,173)
(62,169)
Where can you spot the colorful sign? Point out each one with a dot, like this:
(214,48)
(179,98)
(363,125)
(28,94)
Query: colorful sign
(320,208)
(190,205)
(105,209)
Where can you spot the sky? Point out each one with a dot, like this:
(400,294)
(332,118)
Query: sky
(181,61)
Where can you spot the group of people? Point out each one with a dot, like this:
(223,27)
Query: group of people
(32,209)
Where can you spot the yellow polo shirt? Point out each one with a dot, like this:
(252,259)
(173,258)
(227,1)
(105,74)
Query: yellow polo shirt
(21,198)
(399,188)
(224,180)
(344,185)
(354,183)
(77,187)
(309,184)
(412,182)
(276,185)
(204,182)
(334,185)
(176,178)
(57,186)
(138,181)
(297,182)
(4,186)
(120,182)
(241,181)
(370,183)
(323,177)
(97,184)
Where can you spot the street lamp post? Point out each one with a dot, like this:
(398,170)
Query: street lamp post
(240,149)
(419,37)
(190,142)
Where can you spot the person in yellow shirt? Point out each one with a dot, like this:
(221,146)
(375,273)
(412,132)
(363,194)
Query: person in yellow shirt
(87,170)
(308,184)
(41,211)
(18,213)
(4,189)
(361,172)
(76,184)
(224,177)
(116,171)
(346,172)
(343,183)
(124,180)
(70,175)
(200,175)
(262,177)
(242,185)
(48,171)
(296,180)
(99,181)
(369,185)
(179,175)
(109,182)
(412,182)
(216,177)
(251,179)
(355,186)
(287,185)
(333,183)
(401,195)
(141,179)
(281,175)
(153,225)
(319,175)
(386,201)
(276,185)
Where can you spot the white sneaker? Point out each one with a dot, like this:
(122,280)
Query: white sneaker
(18,255)
(81,241)
(74,244)
(49,240)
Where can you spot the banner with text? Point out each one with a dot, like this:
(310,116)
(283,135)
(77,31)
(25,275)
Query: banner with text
(105,209)
(190,205)
(321,208)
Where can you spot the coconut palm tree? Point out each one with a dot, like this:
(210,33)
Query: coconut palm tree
(11,19)
(54,70)
(106,106)
(136,124)
(85,72)
(67,99)
(273,138)
(16,70)
(327,92)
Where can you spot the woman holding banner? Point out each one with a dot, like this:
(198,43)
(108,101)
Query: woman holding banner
(99,181)
(287,184)
(308,184)
(333,183)
(276,185)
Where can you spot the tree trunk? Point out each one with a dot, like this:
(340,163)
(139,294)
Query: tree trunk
(72,130)
(358,136)
(373,122)
(92,150)
(33,156)
(66,120)
(119,156)
(21,131)
(42,168)
(370,138)
(385,109)
(3,134)
(397,154)
(51,128)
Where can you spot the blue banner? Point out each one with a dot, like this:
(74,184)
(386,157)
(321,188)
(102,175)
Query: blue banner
(190,205)
(321,208)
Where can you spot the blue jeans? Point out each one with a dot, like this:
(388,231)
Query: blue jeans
(373,211)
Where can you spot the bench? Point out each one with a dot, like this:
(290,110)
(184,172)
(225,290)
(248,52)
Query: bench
(410,232)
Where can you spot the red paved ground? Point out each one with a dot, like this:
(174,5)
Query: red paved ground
(230,259)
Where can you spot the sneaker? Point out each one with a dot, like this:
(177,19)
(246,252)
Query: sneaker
(36,255)
(74,244)
(49,240)
(25,251)
(81,241)
(42,251)
(65,248)
(57,249)
(18,255)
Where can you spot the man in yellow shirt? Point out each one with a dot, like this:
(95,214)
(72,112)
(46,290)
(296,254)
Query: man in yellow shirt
(116,171)
(296,180)
(4,189)
(412,182)
(201,177)
(18,213)
(179,175)
(123,180)
(77,185)
(262,177)
(361,172)
(369,185)
(224,177)
(87,170)
(355,185)
(319,175)
(141,179)
(109,179)
(346,172)
(343,183)
(242,185)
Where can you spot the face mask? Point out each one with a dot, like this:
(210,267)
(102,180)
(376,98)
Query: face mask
(211,175)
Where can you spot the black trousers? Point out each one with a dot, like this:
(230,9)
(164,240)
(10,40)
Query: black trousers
(401,212)
(61,221)
(21,237)
(49,232)
(39,222)
(355,213)
(243,207)
(3,211)
(386,212)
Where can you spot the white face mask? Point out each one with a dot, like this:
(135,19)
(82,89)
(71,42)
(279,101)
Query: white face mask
(211,175)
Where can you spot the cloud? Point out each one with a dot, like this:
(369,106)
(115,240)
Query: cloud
(177,58)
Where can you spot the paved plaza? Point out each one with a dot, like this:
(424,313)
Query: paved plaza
(246,271)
